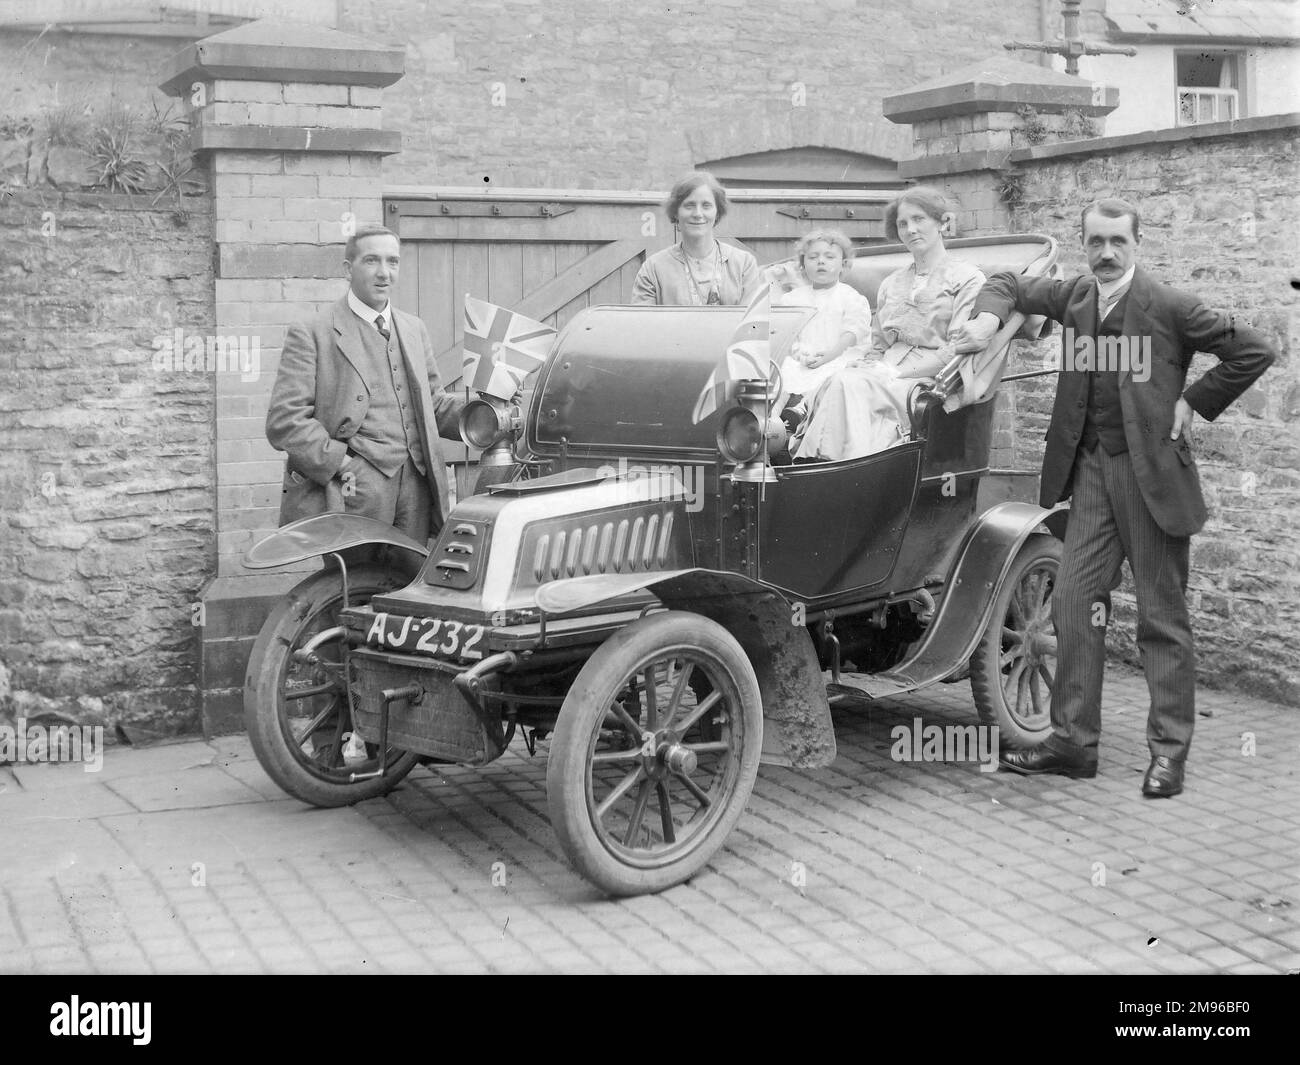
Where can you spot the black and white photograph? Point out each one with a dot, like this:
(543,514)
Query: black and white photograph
(634,487)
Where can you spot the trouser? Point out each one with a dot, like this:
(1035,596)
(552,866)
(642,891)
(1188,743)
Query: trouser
(403,500)
(1109,521)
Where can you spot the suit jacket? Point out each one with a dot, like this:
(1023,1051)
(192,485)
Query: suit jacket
(320,399)
(1179,325)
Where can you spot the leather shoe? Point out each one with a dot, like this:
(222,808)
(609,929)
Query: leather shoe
(1164,778)
(1045,759)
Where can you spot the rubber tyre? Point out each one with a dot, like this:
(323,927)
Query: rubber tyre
(1011,671)
(310,607)
(588,721)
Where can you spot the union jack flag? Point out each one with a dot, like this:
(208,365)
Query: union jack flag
(748,357)
(501,348)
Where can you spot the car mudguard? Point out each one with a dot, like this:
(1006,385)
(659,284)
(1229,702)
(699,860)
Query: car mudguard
(983,559)
(797,729)
(322,534)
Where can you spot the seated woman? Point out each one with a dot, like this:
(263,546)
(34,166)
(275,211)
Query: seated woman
(699,269)
(862,409)
(840,329)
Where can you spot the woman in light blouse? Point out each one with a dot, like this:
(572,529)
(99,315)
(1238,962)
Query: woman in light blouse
(863,408)
(699,269)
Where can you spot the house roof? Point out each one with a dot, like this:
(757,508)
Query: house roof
(1251,21)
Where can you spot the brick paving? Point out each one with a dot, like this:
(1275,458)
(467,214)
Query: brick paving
(185,858)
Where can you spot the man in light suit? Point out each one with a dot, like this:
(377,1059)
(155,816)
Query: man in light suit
(358,407)
(1118,443)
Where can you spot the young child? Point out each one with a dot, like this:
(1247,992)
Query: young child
(842,324)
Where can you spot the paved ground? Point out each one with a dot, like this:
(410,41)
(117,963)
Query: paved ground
(185,858)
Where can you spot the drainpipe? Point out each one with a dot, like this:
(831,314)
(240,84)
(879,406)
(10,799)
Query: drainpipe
(1044,21)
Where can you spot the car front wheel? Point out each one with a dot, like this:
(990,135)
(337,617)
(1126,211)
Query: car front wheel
(655,753)
(297,712)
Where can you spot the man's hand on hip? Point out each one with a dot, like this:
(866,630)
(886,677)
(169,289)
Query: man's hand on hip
(1183,415)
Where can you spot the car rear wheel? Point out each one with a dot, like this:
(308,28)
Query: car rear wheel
(1014,664)
(655,753)
(297,713)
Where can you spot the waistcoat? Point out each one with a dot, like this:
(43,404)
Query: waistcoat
(389,431)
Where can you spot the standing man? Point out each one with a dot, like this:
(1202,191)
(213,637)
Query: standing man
(1119,444)
(358,407)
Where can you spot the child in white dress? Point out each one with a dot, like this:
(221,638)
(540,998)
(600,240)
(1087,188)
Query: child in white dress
(842,325)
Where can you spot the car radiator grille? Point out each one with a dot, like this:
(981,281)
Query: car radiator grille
(628,545)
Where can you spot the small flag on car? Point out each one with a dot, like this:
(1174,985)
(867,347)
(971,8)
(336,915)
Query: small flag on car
(748,357)
(501,348)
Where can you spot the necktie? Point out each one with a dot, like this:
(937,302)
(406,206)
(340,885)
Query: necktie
(1108,304)
(382,327)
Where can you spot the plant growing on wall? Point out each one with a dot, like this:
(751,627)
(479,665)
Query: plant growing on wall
(1033,128)
(177,163)
(1011,187)
(66,124)
(113,147)
(1075,125)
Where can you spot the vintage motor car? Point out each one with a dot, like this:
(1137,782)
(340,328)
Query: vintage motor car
(667,604)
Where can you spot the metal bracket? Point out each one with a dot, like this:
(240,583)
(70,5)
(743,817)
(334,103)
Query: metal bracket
(833,213)
(475,209)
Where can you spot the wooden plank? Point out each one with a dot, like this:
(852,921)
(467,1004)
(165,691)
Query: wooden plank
(538,264)
(600,222)
(565,314)
(484,209)
(570,257)
(469,273)
(585,271)
(534,260)
(627,278)
(609,289)
(770,251)
(506,274)
(426,198)
(408,280)
(831,213)
(436,302)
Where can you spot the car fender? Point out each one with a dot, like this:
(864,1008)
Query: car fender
(323,534)
(983,559)
(797,729)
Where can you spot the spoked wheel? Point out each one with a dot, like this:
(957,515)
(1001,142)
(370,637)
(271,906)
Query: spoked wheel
(655,753)
(1014,664)
(297,713)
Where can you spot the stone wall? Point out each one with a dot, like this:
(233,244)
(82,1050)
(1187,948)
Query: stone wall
(1220,218)
(107,476)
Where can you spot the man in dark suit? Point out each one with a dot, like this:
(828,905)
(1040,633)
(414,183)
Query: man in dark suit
(358,407)
(1118,443)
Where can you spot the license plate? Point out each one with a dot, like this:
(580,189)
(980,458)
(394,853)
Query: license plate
(426,636)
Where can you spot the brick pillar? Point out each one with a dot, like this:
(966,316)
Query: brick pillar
(967,127)
(288,119)
(968,130)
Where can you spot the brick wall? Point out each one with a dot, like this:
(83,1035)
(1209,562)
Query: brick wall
(1220,218)
(630,93)
(107,478)
(279,231)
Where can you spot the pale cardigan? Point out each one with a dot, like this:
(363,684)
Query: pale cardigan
(664,278)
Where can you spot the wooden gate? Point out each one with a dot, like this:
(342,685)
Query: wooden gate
(549,253)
